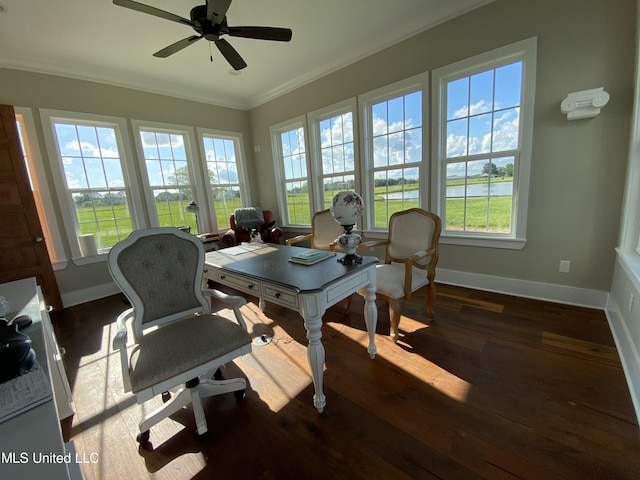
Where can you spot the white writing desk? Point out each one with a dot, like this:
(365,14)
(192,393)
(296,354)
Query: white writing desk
(268,274)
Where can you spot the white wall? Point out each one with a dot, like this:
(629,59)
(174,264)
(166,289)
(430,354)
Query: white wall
(623,308)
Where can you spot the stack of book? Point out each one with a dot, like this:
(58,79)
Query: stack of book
(311,256)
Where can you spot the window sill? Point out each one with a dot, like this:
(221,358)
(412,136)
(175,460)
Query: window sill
(488,241)
(91,259)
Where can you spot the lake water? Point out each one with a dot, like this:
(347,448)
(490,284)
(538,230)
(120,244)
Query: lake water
(498,189)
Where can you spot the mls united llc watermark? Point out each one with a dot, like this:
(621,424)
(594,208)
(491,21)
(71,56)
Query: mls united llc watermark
(47,458)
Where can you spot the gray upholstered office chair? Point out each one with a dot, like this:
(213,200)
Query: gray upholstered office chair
(410,261)
(324,231)
(178,345)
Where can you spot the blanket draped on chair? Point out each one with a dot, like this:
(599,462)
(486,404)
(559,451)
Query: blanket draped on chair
(249,217)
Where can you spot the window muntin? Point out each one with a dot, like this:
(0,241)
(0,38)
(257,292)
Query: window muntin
(393,132)
(224,169)
(169,177)
(484,140)
(92,167)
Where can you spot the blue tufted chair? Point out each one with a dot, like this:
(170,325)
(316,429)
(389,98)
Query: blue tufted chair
(178,344)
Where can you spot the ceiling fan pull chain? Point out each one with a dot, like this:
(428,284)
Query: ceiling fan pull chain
(210,53)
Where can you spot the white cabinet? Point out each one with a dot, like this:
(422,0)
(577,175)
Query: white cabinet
(61,388)
(31,442)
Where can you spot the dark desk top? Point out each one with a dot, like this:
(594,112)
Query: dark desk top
(271,264)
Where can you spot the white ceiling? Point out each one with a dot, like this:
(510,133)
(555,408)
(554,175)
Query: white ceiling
(96,40)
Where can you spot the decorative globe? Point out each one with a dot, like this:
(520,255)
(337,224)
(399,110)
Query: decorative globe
(346,207)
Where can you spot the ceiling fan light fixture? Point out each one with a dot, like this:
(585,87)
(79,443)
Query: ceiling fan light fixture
(210,22)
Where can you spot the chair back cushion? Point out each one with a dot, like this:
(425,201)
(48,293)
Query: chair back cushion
(412,231)
(325,229)
(160,271)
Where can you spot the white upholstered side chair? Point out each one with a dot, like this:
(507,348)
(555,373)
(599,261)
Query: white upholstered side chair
(178,345)
(411,255)
(324,231)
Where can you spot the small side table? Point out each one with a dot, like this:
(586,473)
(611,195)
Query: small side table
(209,241)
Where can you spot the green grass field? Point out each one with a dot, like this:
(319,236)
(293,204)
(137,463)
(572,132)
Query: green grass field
(106,222)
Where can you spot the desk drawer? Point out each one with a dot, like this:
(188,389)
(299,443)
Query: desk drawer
(341,290)
(281,296)
(238,282)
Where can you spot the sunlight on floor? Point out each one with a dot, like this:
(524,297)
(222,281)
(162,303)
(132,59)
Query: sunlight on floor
(419,366)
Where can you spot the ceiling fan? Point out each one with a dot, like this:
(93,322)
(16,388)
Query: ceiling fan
(210,22)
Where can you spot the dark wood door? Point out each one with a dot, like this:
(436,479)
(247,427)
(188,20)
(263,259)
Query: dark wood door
(23,252)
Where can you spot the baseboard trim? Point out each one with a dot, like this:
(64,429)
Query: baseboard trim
(627,351)
(583,297)
(89,294)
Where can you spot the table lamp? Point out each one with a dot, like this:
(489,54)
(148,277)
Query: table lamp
(346,207)
(193,208)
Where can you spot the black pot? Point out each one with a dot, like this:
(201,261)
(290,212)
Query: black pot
(16,355)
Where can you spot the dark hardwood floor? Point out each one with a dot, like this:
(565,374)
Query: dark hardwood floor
(497,387)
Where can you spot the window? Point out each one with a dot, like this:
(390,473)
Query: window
(483,146)
(91,178)
(290,157)
(226,178)
(166,155)
(397,176)
(335,151)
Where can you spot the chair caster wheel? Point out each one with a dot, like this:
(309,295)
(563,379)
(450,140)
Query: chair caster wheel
(239,394)
(202,437)
(143,437)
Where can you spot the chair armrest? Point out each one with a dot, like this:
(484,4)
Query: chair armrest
(299,238)
(422,254)
(276,234)
(120,343)
(234,301)
(373,243)
(230,239)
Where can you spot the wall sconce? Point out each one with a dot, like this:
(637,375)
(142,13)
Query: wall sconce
(584,104)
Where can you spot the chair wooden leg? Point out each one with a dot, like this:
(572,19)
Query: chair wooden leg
(347,305)
(431,295)
(394,317)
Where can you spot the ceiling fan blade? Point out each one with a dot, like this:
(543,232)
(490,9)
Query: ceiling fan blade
(262,33)
(156,12)
(230,53)
(217,10)
(176,47)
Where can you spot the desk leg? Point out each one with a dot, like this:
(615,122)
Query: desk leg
(315,354)
(371,317)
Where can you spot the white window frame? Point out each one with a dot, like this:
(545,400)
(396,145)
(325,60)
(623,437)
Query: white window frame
(41,191)
(525,51)
(65,201)
(409,85)
(241,162)
(281,191)
(315,147)
(195,177)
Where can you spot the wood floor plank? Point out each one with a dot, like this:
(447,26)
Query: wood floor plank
(497,387)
